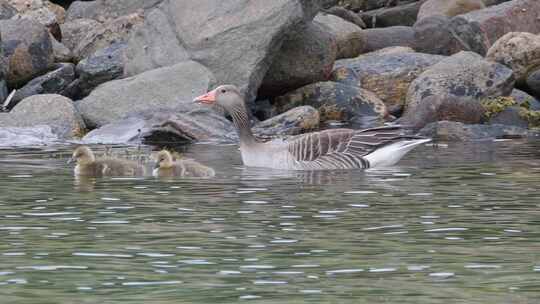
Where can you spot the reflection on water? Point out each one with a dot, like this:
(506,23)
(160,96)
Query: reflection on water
(455,224)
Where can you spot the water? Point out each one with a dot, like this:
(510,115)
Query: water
(457,224)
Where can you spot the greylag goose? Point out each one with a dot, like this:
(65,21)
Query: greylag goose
(166,166)
(88,165)
(325,150)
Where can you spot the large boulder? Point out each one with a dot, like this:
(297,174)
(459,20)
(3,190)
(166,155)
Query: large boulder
(54,82)
(53,110)
(457,131)
(160,88)
(74,31)
(380,38)
(104,65)
(449,8)
(518,51)
(307,56)
(388,75)
(42,11)
(103,10)
(349,37)
(518,109)
(533,82)
(27,50)
(346,14)
(166,125)
(293,122)
(6,10)
(392,16)
(454,87)
(236,40)
(336,101)
(435,35)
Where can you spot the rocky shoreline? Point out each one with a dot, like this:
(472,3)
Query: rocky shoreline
(126,71)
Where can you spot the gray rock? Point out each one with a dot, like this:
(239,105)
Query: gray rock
(159,88)
(60,51)
(387,75)
(106,9)
(6,10)
(3,75)
(236,40)
(293,122)
(457,131)
(165,126)
(449,8)
(348,36)
(54,82)
(74,31)
(104,65)
(404,15)
(27,50)
(45,12)
(533,82)
(434,35)
(510,116)
(336,101)
(380,38)
(464,78)
(347,15)
(53,110)
(521,97)
(28,136)
(518,51)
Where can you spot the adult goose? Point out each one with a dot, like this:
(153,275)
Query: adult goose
(90,166)
(325,150)
(166,166)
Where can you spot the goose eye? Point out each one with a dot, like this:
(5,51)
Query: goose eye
(223,91)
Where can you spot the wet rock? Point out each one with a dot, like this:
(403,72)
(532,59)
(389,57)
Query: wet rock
(6,10)
(60,51)
(346,14)
(449,8)
(515,110)
(27,50)
(53,110)
(165,126)
(103,10)
(54,82)
(380,38)
(533,82)
(159,88)
(307,56)
(74,31)
(336,101)
(236,42)
(349,38)
(42,11)
(388,75)
(404,15)
(293,122)
(464,78)
(102,66)
(434,35)
(115,31)
(518,51)
(457,131)
(29,136)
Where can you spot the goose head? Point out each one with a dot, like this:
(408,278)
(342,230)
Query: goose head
(82,155)
(226,96)
(164,160)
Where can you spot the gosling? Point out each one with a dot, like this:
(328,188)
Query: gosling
(166,166)
(88,165)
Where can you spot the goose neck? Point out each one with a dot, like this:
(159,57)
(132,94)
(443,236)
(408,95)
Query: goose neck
(241,122)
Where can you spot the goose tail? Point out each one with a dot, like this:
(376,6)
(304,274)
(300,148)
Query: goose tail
(389,154)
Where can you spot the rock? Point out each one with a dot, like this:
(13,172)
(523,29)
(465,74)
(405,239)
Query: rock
(104,65)
(434,35)
(3,75)
(457,131)
(346,14)
(336,101)
(349,38)
(6,10)
(388,75)
(236,42)
(533,82)
(293,122)
(115,31)
(519,109)
(74,31)
(60,51)
(307,56)
(174,125)
(53,110)
(510,116)
(27,50)
(54,82)
(404,15)
(518,51)
(104,10)
(521,97)
(42,11)
(159,88)
(29,136)
(380,38)
(457,84)
(449,8)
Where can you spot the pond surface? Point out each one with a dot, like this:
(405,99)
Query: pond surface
(450,224)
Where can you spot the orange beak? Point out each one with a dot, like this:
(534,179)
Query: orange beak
(208,98)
